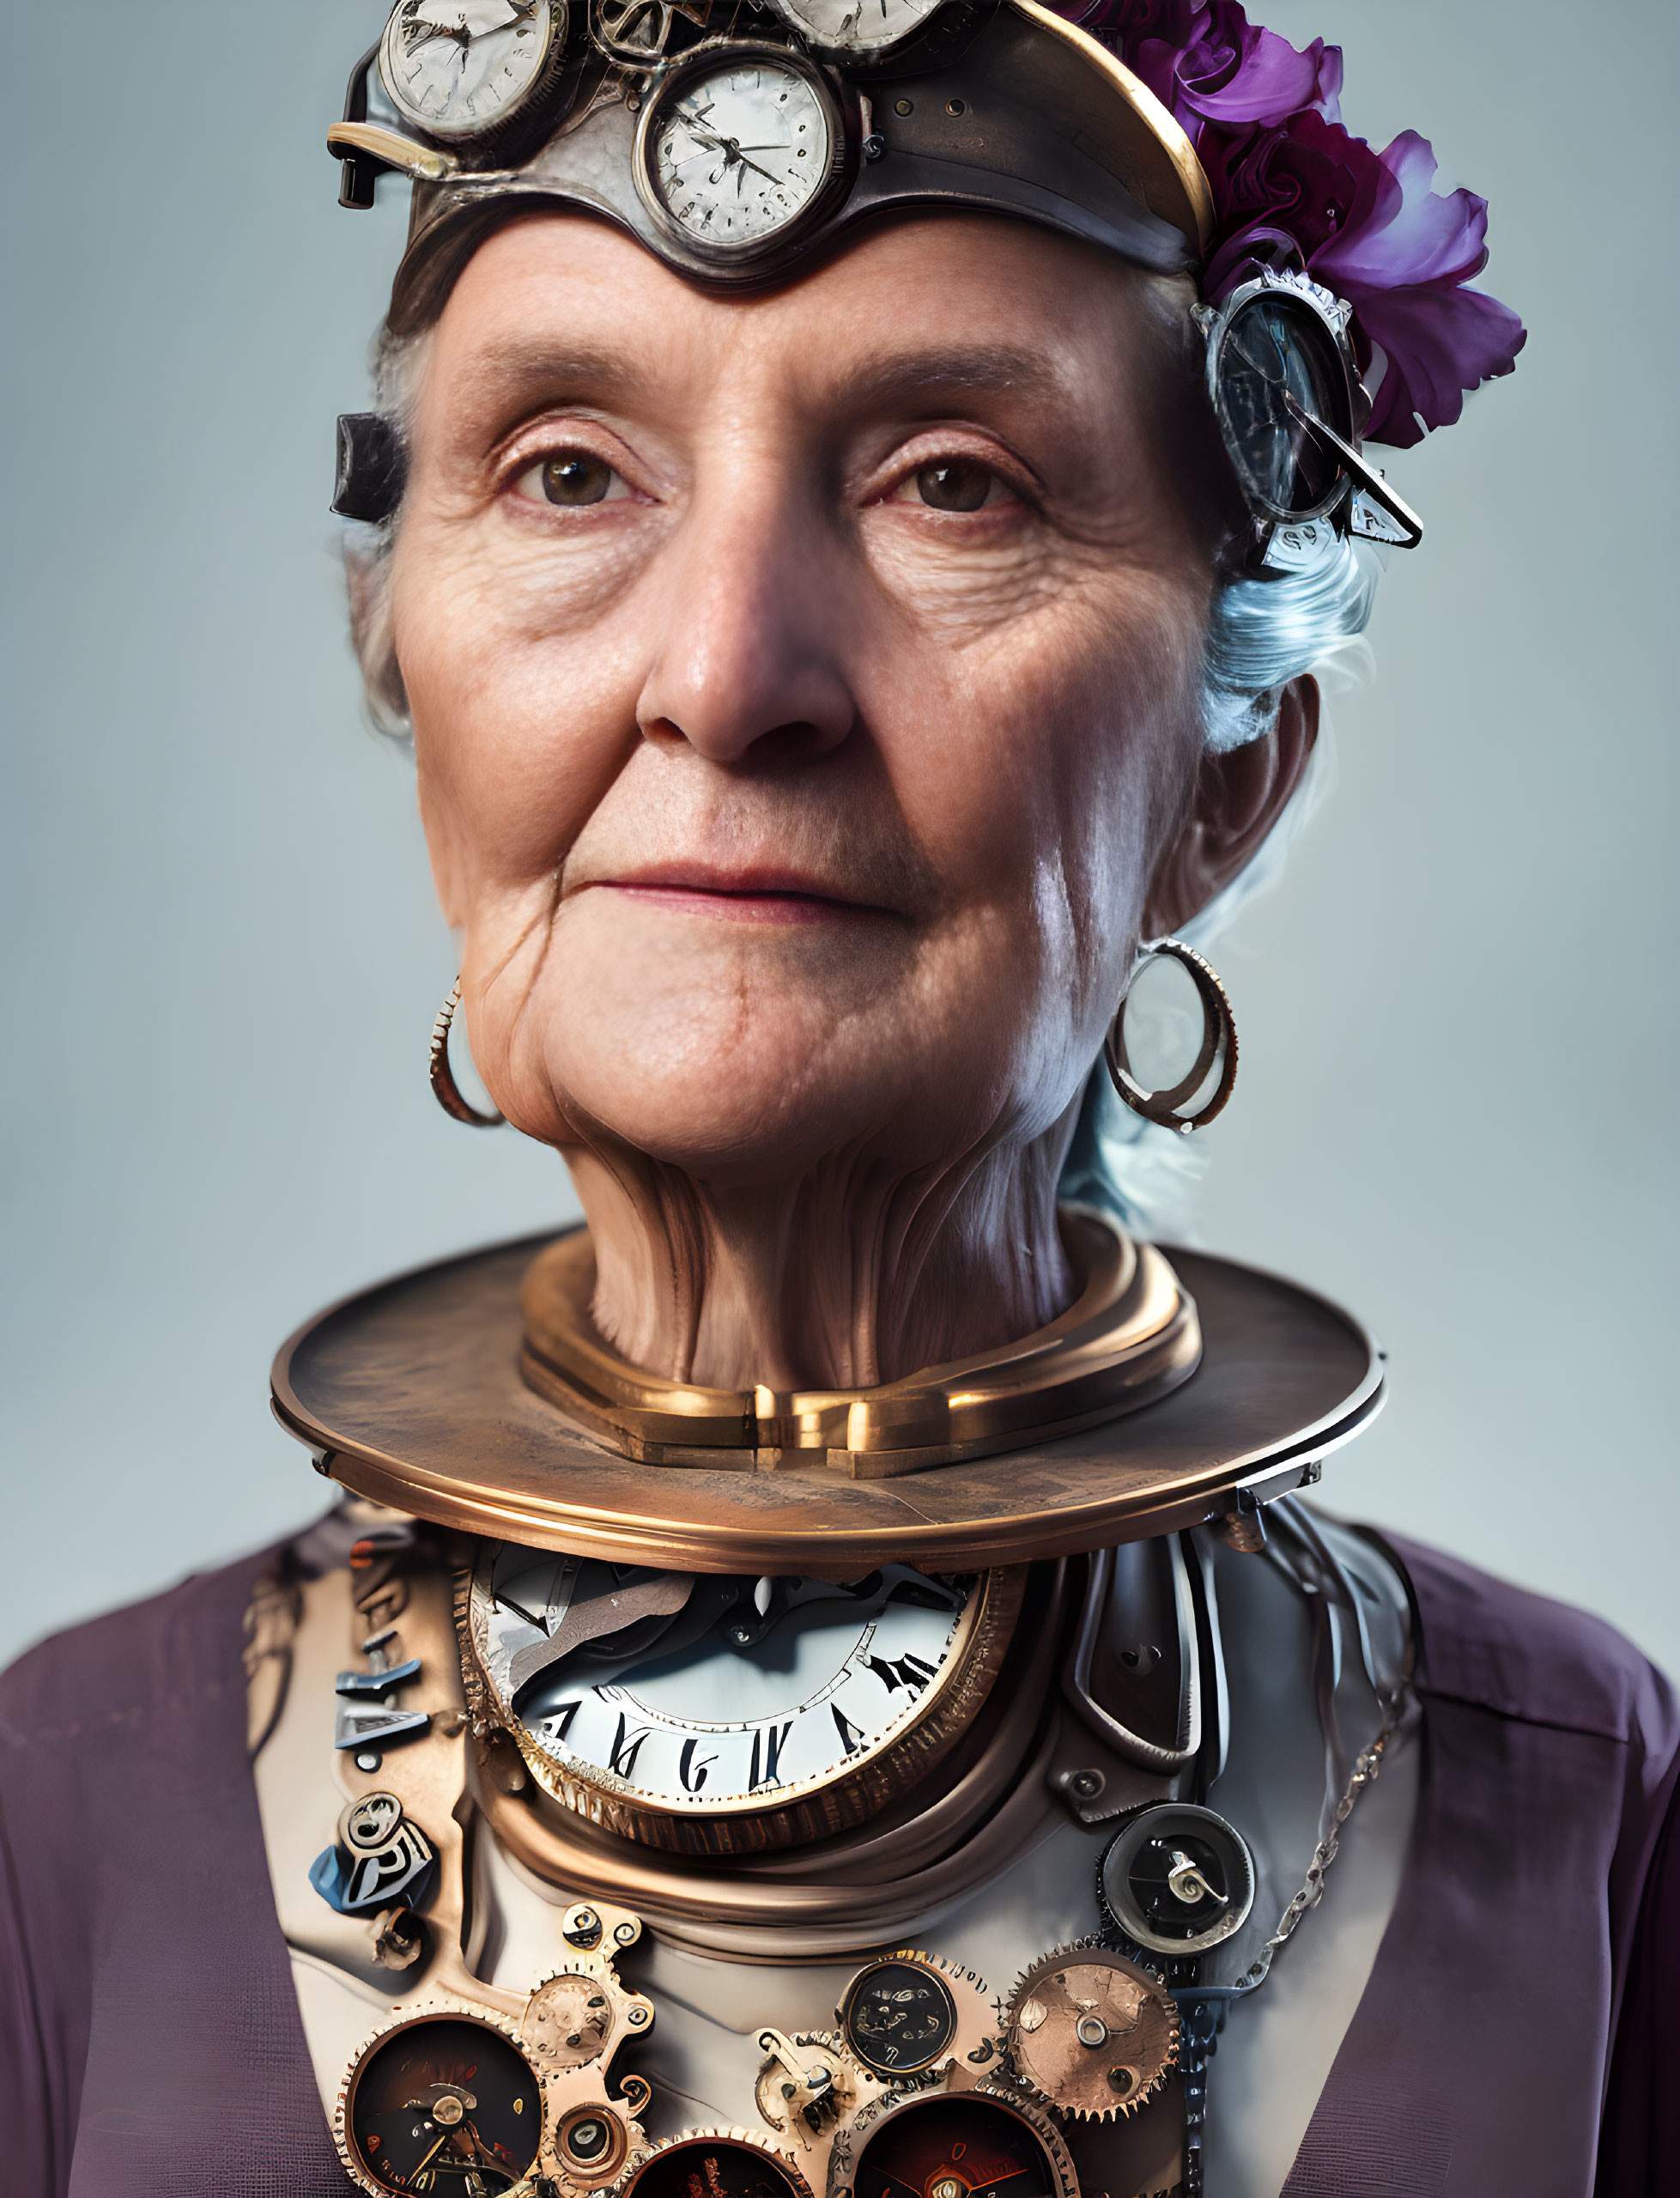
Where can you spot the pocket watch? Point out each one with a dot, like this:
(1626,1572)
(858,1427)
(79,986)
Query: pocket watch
(715,1714)
(742,147)
(471,68)
(856,27)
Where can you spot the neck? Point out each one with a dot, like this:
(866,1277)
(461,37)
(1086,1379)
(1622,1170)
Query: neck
(841,1279)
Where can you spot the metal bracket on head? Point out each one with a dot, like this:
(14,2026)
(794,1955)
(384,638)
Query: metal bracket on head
(358,174)
(373,468)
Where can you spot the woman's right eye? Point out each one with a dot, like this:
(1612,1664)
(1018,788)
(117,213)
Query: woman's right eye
(571,479)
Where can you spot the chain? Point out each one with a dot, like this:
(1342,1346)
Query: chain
(1312,1892)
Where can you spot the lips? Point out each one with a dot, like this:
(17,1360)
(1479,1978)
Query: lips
(749,894)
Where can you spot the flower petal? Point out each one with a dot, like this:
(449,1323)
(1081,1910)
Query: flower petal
(1440,342)
(1415,236)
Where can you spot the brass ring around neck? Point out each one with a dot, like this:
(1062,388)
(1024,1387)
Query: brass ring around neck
(1130,1337)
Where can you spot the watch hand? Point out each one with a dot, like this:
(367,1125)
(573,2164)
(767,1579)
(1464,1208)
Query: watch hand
(731,152)
(1188,1883)
(442,2141)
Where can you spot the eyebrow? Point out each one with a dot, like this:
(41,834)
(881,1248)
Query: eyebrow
(512,371)
(980,368)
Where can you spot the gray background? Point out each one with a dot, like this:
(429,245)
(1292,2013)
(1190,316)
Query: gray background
(1457,1013)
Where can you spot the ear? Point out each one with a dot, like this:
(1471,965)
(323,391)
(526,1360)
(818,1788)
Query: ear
(1238,798)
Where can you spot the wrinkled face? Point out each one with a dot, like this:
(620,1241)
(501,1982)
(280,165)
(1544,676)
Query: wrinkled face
(804,686)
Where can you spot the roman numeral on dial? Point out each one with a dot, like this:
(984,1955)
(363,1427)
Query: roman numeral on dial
(769,1741)
(626,1746)
(852,1736)
(692,1774)
(903,1671)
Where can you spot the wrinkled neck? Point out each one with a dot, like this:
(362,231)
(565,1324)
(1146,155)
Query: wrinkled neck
(842,1279)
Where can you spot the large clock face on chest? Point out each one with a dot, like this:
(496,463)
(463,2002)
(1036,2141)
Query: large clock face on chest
(715,1714)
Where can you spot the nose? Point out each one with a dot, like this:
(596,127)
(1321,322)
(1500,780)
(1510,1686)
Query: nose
(751,610)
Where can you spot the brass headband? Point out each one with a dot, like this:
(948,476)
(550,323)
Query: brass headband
(1004,108)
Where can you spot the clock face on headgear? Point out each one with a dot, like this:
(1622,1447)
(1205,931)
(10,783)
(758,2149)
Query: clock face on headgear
(699,1705)
(463,67)
(739,150)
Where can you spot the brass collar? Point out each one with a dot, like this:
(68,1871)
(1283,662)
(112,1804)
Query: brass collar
(1131,1336)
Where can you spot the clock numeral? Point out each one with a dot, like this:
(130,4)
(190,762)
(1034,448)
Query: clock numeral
(559,1720)
(626,1746)
(767,1745)
(852,1736)
(903,1671)
(688,1763)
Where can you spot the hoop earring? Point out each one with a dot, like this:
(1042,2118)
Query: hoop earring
(1219,1032)
(444,1088)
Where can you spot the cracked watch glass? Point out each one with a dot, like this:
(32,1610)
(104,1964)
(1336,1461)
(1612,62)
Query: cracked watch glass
(738,149)
(708,1714)
(461,68)
(856,26)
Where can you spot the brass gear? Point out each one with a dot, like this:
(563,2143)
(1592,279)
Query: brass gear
(1091,2033)
(572,2018)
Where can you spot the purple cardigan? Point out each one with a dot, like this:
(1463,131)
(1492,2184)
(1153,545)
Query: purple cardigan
(150,2044)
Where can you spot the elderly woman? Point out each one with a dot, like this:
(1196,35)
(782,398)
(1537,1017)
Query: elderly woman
(820,1682)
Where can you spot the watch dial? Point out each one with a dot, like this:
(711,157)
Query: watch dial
(711,1694)
(447,2105)
(715,2167)
(456,67)
(737,154)
(856,26)
(1178,1877)
(955,2147)
(899,2017)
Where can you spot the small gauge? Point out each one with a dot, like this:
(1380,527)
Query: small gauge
(444,2104)
(721,2164)
(465,68)
(740,149)
(899,2016)
(1178,1878)
(594,2146)
(856,26)
(1277,369)
(961,2146)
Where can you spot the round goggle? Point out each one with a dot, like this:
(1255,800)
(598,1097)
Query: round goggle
(1285,389)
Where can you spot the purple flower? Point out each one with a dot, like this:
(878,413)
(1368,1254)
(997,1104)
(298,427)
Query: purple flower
(1235,73)
(1290,187)
(1206,62)
(1401,261)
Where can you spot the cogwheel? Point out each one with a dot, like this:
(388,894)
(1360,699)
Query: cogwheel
(1093,2034)
(911,2011)
(572,2018)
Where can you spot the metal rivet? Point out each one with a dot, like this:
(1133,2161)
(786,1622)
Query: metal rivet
(904,106)
(955,107)
(367,1760)
(1086,1785)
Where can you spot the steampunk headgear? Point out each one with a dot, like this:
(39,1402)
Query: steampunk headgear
(735,140)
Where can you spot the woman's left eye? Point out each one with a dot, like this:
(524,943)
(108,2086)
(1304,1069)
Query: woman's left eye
(571,479)
(954,484)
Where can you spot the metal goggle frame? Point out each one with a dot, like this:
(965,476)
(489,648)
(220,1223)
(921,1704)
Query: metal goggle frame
(1286,391)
